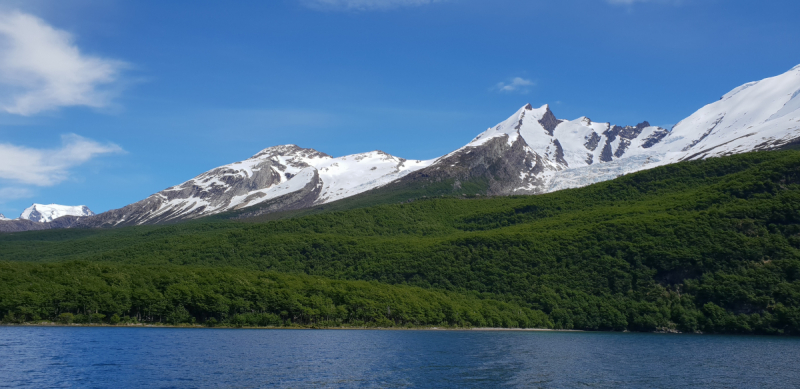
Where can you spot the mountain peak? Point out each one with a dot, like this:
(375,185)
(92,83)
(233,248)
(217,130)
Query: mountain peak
(3,217)
(535,112)
(48,212)
(289,150)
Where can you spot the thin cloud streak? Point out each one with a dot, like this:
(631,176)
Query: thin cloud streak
(45,167)
(42,69)
(516,84)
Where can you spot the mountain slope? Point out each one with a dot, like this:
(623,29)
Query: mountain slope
(282,177)
(19,225)
(710,245)
(528,151)
(755,116)
(548,154)
(761,115)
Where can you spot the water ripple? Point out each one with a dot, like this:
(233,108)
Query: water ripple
(218,358)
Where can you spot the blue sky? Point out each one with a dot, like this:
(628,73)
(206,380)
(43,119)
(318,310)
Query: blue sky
(105,102)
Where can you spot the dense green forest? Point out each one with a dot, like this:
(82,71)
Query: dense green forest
(708,246)
(83,292)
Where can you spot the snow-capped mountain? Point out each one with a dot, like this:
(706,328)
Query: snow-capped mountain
(540,153)
(529,153)
(279,177)
(761,115)
(43,213)
(3,217)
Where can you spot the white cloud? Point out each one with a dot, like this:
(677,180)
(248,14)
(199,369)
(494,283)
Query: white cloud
(45,167)
(364,5)
(516,84)
(41,68)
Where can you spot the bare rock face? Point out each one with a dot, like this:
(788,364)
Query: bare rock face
(303,198)
(508,168)
(19,225)
(548,121)
(654,138)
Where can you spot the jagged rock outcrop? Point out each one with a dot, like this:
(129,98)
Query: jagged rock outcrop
(505,165)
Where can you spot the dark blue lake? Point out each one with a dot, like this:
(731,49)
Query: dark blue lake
(164,357)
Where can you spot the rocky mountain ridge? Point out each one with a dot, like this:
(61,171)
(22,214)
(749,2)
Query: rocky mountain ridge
(531,152)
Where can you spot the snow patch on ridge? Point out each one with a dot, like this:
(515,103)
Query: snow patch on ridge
(353,174)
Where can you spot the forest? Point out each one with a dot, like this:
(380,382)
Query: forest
(700,246)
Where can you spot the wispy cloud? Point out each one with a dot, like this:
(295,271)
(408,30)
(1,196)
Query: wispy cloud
(364,5)
(42,69)
(516,84)
(47,167)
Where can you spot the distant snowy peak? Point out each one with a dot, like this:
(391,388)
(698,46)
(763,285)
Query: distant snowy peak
(48,212)
(755,116)
(526,153)
(761,115)
(3,217)
(276,178)
(574,143)
(273,172)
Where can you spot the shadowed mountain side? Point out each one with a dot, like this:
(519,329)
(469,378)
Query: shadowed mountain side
(18,225)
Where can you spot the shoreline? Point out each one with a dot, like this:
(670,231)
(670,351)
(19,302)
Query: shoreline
(197,326)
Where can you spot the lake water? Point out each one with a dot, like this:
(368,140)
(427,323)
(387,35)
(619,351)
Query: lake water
(177,358)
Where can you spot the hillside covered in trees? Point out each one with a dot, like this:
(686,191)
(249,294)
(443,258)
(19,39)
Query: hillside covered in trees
(710,246)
